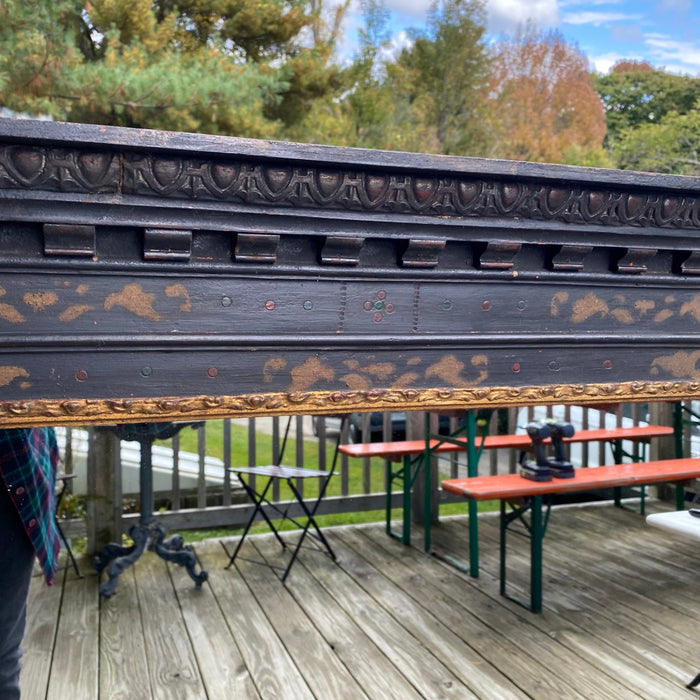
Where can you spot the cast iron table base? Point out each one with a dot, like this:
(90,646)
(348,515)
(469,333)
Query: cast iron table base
(148,534)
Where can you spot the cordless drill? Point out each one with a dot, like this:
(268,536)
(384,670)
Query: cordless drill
(540,469)
(560,466)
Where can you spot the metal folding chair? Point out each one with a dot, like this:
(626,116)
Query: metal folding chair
(261,501)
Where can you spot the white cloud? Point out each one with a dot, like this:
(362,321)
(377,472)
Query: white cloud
(588,3)
(598,18)
(602,63)
(661,51)
(505,16)
(673,55)
(676,4)
(417,9)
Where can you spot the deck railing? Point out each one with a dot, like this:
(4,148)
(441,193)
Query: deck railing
(194,488)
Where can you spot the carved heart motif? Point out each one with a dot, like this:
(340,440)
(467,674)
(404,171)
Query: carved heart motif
(597,202)
(94,166)
(27,164)
(424,188)
(634,205)
(469,191)
(277,179)
(557,199)
(166,172)
(223,175)
(669,207)
(509,194)
(328,183)
(376,187)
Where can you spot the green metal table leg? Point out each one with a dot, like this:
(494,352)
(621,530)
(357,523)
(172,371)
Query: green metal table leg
(680,497)
(678,428)
(536,528)
(427,487)
(389,484)
(427,508)
(403,475)
(502,567)
(678,442)
(617,459)
(536,537)
(472,470)
(473,541)
(407,500)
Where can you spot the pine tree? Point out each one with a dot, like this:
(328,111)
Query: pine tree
(241,67)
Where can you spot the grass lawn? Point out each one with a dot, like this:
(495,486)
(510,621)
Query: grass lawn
(357,475)
(239,455)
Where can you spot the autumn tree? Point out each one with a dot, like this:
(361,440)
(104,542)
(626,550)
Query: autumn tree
(636,94)
(543,103)
(241,67)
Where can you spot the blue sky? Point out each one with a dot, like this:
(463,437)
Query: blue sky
(666,33)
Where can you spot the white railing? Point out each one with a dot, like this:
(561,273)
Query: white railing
(194,488)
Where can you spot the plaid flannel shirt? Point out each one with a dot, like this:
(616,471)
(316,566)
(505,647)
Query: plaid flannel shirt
(28,462)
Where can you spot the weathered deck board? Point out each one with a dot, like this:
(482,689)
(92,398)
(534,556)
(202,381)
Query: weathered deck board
(510,627)
(413,659)
(587,585)
(367,662)
(520,660)
(74,668)
(172,667)
(324,673)
(274,673)
(621,602)
(422,621)
(223,671)
(40,635)
(120,647)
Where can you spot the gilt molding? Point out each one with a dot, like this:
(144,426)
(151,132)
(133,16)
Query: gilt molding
(107,411)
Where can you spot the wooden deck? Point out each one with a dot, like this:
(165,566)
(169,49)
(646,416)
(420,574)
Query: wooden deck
(620,620)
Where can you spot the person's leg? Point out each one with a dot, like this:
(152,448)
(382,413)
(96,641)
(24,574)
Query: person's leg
(16,566)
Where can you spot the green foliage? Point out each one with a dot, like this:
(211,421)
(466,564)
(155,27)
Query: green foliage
(369,103)
(72,506)
(267,69)
(439,82)
(37,54)
(591,158)
(636,95)
(670,146)
(236,67)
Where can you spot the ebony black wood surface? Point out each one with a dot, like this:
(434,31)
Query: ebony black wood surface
(148,275)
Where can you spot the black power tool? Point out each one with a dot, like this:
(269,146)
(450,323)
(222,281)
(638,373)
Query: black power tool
(560,466)
(539,470)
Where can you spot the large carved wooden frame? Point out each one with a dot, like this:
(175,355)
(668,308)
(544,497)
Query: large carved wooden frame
(150,276)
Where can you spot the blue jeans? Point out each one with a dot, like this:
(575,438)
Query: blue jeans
(16,567)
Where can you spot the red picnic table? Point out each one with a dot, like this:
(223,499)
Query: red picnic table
(414,454)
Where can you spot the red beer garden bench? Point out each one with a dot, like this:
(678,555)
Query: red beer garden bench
(523,495)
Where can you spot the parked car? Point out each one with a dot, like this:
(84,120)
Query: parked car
(376,426)
(332,423)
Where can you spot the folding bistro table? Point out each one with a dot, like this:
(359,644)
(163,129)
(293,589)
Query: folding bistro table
(261,501)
